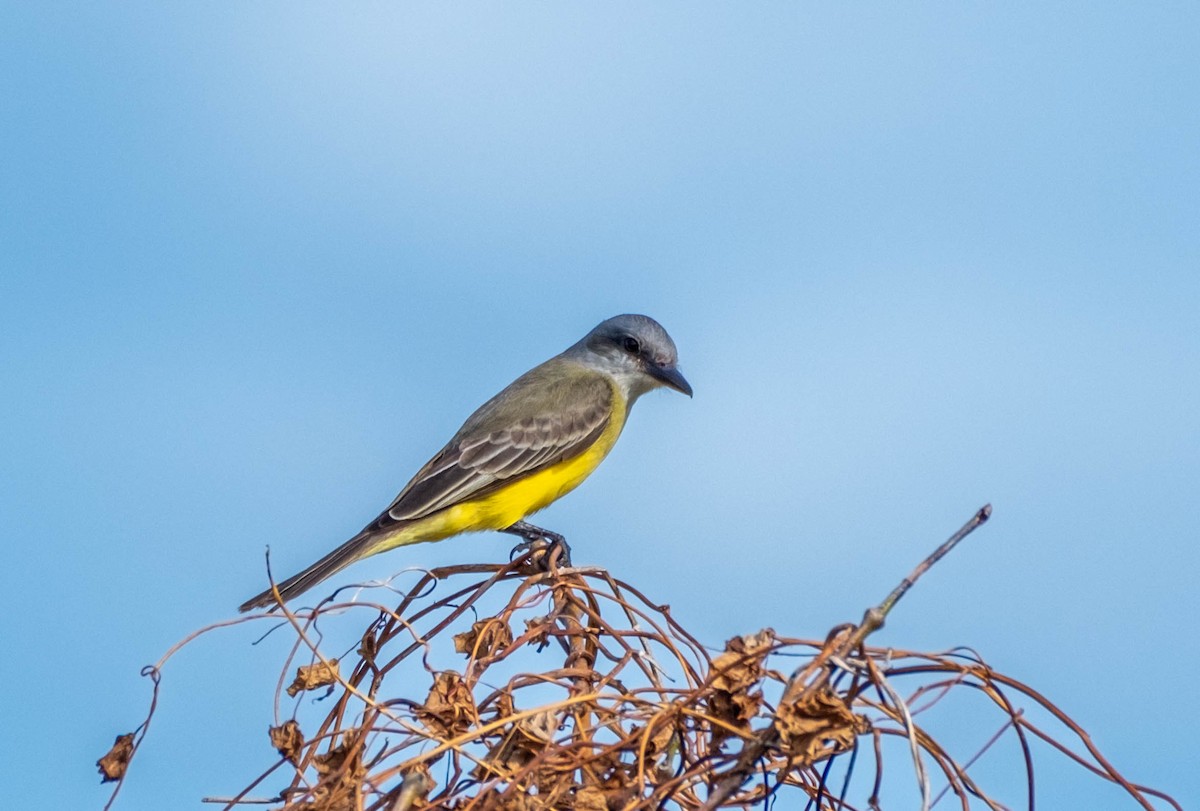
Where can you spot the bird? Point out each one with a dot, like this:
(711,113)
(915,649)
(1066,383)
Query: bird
(525,448)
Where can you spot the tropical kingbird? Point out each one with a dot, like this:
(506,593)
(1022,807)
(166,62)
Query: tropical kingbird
(521,450)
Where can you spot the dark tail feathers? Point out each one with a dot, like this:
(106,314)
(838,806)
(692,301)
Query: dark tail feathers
(353,549)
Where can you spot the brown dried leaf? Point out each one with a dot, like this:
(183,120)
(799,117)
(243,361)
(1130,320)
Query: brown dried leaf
(499,708)
(660,738)
(341,774)
(732,675)
(485,638)
(333,760)
(735,709)
(512,801)
(741,665)
(540,727)
(113,765)
(449,709)
(521,743)
(541,626)
(369,646)
(590,798)
(310,677)
(554,788)
(288,740)
(818,726)
(609,797)
(501,760)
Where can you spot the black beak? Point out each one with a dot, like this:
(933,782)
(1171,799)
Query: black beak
(671,377)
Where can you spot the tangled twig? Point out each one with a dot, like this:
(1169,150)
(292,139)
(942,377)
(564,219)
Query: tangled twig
(529,686)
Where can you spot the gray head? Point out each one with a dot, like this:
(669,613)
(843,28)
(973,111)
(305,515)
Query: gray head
(636,351)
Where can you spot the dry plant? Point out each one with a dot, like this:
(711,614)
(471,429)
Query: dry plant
(569,689)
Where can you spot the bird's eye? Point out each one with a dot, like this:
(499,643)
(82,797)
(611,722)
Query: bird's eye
(631,345)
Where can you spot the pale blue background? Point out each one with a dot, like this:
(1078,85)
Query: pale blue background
(258,261)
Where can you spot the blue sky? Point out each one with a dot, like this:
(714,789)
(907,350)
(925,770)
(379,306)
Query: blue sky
(257,262)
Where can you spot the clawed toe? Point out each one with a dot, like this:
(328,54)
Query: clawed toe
(542,551)
(541,542)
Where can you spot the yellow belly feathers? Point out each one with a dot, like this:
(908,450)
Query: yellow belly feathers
(524,496)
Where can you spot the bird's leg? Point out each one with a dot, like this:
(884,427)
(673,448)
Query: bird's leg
(533,534)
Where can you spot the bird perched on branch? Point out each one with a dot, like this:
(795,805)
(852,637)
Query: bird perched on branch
(526,447)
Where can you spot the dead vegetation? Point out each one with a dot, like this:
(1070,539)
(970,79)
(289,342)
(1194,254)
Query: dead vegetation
(529,686)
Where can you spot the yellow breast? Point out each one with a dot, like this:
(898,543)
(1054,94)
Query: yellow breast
(524,496)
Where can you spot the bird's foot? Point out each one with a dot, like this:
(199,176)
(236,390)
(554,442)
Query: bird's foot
(541,541)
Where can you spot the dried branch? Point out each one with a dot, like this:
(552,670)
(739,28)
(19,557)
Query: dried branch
(527,686)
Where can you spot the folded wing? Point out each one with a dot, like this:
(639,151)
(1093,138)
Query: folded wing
(531,426)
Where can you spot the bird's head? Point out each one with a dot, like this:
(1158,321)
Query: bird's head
(636,351)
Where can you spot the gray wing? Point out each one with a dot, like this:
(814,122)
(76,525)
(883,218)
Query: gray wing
(547,416)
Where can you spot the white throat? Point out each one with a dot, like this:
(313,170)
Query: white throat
(632,383)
